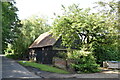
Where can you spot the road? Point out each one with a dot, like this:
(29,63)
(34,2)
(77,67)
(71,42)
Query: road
(11,69)
(0,67)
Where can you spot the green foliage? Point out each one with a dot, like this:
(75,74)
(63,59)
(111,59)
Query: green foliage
(43,67)
(9,49)
(10,23)
(95,32)
(14,56)
(104,52)
(79,27)
(31,29)
(84,62)
(109,50)
(62,55)
(20,37)
(9,53)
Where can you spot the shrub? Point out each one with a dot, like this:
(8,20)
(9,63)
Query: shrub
(84,62)
(9,53)
(14,56)
(62,55)
(104,52)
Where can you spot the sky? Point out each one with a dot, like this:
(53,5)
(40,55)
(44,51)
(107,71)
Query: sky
(47,8)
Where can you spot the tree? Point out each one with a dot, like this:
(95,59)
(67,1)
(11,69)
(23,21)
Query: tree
(10,23)
(80,28)
(87,31)
(109,51)
(32,28)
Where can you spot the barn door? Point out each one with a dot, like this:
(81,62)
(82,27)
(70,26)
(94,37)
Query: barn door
(39,56)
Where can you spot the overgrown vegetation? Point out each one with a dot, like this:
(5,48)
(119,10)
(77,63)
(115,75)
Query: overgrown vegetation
(62,55)
(31,29)
(80,29)
(43,67)
(106,53)
(109,50)
(9,53)
(84,62)
(94,32)
(10,23)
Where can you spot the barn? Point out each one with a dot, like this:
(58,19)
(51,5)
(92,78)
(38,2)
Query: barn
(44,48)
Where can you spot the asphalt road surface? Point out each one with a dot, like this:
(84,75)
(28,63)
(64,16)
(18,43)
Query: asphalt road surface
(11,69)
(0,67)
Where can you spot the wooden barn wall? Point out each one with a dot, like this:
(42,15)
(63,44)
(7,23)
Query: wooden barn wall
(43,55)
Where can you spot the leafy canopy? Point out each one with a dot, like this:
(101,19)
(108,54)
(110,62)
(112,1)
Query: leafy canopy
(79,27)
(10,23)
(31,29)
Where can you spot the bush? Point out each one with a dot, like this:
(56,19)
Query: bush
(84,62)
(104,52)
(62,55)
(14,56)
(9,53)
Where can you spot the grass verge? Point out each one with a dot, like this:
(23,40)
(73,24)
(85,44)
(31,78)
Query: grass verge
(43,67)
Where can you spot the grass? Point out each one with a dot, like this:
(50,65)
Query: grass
(43,67)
